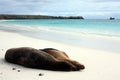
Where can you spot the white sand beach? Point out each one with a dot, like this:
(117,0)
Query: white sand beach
(99,65)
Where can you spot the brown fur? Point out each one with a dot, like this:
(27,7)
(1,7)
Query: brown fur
(62,56)
(50,59)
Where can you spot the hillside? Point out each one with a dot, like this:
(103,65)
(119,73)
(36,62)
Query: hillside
(3,16)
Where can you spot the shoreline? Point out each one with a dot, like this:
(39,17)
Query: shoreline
(106,43)
(100,65)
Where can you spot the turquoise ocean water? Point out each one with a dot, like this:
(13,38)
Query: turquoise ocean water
(68,31)
(97,27)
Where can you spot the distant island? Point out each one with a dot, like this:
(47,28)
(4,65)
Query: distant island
(9,16)
(112,18)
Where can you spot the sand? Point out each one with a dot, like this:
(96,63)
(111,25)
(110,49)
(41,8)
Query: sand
(100,65)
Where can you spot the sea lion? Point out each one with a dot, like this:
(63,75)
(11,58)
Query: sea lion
(60,55)
(41,59)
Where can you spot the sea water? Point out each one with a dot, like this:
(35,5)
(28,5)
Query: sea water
(75,26)
(69,31)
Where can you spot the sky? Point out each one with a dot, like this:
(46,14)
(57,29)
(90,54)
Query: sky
(89,9)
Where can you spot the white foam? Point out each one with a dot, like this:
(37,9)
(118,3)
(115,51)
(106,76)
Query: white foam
(83,39)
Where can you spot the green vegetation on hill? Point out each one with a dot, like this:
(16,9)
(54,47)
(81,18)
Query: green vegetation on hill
(4,16)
